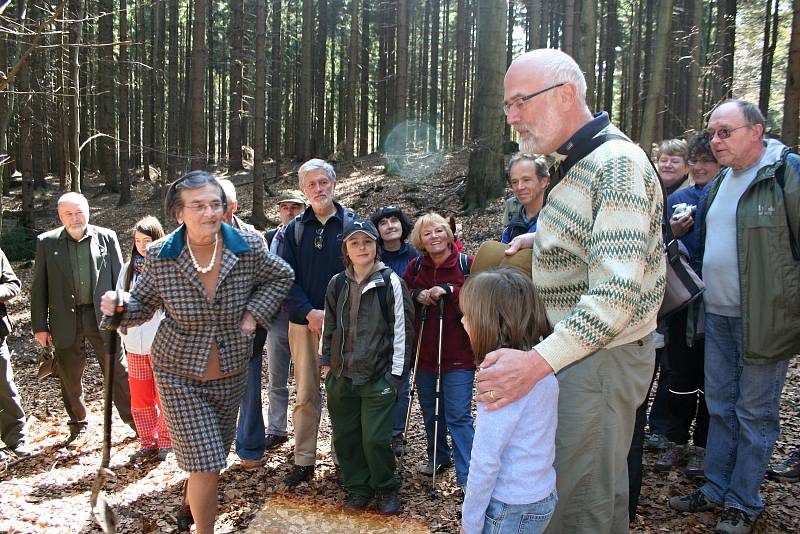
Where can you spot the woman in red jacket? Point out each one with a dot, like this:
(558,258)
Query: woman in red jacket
(439,274)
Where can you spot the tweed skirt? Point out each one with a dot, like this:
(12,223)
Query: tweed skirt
(201,417)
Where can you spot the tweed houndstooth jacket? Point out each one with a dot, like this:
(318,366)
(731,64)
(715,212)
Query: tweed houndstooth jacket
(251,278)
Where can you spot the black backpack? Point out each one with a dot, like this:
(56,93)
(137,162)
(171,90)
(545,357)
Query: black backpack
(386,274)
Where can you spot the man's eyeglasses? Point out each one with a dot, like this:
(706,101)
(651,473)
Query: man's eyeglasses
(724,133)
(318,238)
(519,103)
(199,209)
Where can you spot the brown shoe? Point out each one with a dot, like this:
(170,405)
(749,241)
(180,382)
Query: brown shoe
(250,464)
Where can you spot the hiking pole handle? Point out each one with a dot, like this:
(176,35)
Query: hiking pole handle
(441,306)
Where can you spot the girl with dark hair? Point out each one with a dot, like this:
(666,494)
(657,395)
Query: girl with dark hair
(512,481)
(148,415)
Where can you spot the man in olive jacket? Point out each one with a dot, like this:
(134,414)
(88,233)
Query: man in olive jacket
(751,268)
(75,265)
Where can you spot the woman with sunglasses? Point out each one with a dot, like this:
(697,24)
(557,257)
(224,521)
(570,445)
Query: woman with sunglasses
(214,284)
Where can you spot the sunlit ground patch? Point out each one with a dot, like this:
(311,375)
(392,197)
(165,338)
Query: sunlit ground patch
(283,514)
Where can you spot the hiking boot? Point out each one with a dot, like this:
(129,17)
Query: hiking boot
(356,501)
(397,445)
(674,456)
(788,471)
(298,474)
(77,435)
(427,469)
(694,502)
(389,503)
(21,449)
(163,455)
(696,462)
(250,463)
(273,440)
(734,521)
(656,442)
(143,455)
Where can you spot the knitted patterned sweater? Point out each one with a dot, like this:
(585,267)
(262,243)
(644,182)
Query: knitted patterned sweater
(598,259)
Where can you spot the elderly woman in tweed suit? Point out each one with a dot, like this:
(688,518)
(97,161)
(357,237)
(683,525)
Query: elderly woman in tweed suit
(214,284)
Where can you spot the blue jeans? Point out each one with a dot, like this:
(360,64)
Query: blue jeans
(401,407)
(502,518)
(279,359)
(743,406)
(250,438)
(455,416)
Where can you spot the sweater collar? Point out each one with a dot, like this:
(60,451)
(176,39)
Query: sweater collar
(176,241)
(599,121)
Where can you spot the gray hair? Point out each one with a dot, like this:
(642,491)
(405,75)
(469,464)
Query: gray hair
(314,164)
(77,198)
(750,112)
(559,67)
(229,188)
(192,180)
(541,164)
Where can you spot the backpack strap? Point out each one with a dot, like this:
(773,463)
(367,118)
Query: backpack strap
(349,215)
(781,180)
(417,265)
(463,263)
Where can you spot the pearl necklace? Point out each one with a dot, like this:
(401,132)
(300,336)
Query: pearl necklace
(204,270)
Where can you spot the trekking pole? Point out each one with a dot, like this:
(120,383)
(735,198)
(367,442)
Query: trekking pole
(433,494)
(422,320)
(101,510)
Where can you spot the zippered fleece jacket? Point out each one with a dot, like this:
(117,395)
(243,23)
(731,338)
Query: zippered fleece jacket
(377,346)
(456,351)
(598,254)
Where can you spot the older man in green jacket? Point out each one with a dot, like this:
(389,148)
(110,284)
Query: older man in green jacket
(75,265)
(751,267)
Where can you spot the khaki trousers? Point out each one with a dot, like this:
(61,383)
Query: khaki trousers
(597,402)
(304,346)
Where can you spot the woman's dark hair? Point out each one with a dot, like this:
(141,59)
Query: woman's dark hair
(392,211)
(700,145)
(150,227)
(192,180)
(502,308)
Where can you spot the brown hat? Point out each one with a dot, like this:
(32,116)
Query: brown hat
(294,196)
(492,254)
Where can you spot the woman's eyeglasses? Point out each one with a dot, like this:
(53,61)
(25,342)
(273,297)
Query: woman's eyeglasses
(318,238)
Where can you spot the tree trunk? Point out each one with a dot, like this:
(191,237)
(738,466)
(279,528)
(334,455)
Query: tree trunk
(198,70)
(211,127)
(75,38)
(791,101)
(569,27)
(107,145)
(352,86)
(275,85)
(655,95)
(462,38)
(693,104)
(485,180)
(303,107)
(257,217)
(363,128)
(124,126)
(433,101)
(401,79)
(767,55)
(534,18)
(236,29)
(318,145)
(174,98)
(587,46)
(25,164)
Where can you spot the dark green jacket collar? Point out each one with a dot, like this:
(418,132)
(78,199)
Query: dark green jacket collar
(174,242)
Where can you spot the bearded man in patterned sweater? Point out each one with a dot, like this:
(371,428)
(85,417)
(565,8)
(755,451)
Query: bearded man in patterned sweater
(598,266)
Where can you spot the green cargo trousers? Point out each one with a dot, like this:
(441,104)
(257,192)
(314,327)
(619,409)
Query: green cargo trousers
(362,418)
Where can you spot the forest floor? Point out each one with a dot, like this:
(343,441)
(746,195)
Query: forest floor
(49,492)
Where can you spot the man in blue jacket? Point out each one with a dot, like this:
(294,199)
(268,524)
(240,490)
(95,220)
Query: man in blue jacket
(313,248)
